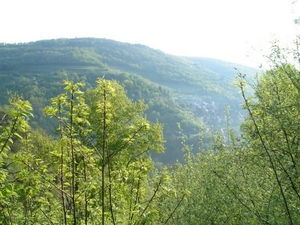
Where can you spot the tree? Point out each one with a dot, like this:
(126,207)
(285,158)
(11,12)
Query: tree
(252,179)
(104,157)
(271,130)
(13,127)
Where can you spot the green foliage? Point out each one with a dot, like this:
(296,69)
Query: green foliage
(251,179)
(176,89)
(13,127)
(272,127)
(97,170)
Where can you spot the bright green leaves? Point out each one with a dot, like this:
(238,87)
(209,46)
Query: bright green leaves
(13,127)
(271,131)
(104,156)
(126,127)
(122,135)
(252,179)
(99,170)
(14,121)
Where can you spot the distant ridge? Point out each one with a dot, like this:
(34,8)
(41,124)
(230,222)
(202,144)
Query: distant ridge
(187,90)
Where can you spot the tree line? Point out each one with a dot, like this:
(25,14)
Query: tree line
(98,169)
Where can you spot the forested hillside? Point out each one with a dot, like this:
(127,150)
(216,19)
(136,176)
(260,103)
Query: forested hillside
(77,147)
(181,90)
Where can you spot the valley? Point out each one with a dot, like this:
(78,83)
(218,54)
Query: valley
(190,91)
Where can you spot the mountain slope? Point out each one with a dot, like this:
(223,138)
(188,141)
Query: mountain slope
(191,91)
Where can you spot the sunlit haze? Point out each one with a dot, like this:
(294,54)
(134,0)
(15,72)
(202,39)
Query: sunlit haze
(233,30)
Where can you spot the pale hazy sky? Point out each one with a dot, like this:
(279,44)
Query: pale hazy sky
(232,30)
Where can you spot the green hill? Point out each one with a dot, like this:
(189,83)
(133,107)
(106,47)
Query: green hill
(189,91)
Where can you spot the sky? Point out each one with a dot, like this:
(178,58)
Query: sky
(238,31)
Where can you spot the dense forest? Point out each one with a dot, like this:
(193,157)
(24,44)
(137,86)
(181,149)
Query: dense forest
(189,91)
(83,126)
